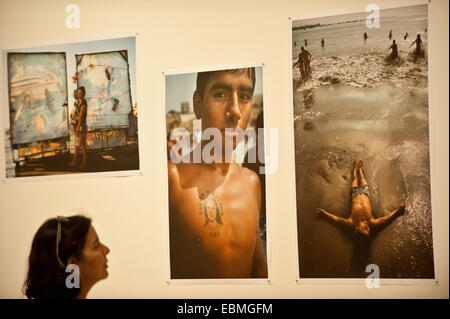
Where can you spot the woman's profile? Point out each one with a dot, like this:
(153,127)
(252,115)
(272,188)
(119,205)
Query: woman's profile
(60,242)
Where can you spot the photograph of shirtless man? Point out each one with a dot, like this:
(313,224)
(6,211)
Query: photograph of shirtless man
(214,207)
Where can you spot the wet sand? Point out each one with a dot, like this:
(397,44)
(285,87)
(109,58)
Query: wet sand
(386,127)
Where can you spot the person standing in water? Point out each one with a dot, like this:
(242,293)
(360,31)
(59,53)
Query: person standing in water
(390,34)
(406,36)
(322,42)
(394,53)
(365,36)
(361,219)
(418,43)
(304,60)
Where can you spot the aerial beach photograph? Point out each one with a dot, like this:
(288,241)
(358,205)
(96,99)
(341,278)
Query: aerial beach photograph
(362,145)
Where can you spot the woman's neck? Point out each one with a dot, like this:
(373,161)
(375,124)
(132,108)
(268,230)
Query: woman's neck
(84,290)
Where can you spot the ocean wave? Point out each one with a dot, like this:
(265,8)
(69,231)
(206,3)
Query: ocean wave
(364,70)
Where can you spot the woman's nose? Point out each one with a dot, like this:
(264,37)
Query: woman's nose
(106,249)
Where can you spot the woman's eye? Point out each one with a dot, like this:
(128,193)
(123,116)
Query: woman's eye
(245,97)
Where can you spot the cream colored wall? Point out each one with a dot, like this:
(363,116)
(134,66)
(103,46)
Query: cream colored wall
(133,222)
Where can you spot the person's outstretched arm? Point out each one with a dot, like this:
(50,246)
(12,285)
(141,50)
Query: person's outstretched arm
(336,219)
(385,219)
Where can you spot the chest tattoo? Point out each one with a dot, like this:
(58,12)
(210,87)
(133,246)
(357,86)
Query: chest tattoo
(211,209)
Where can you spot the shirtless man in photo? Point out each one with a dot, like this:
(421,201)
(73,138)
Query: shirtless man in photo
(361,219)
(304,63)
(214,207)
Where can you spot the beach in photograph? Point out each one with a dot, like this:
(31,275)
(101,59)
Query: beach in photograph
(359,105)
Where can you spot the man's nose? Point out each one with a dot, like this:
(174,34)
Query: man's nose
(235,111)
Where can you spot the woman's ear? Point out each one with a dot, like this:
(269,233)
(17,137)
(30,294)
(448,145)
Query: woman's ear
(72,260)
(197,105)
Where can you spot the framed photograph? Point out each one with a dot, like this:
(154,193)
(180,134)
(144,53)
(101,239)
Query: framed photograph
(37,89)
(215,152)
(361,130)
(72,109)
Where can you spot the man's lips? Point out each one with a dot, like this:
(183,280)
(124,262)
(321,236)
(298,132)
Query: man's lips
(231,131)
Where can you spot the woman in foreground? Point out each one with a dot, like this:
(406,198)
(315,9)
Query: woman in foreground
(66,259)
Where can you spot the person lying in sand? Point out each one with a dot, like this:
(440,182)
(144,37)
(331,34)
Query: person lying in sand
(361,219)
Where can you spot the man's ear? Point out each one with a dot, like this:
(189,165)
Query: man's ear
(197,105)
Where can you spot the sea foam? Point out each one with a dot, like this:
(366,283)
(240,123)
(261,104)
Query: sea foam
(364,70)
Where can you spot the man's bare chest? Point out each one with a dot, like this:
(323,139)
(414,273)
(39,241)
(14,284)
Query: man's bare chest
(227,215)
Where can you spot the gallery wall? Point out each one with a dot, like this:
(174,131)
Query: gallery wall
(130,213)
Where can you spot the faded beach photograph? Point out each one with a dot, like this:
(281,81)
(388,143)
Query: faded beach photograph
(362,145)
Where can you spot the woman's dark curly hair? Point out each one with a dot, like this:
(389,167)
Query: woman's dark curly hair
(46,277)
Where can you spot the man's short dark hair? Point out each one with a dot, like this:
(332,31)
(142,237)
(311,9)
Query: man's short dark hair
(203,77)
